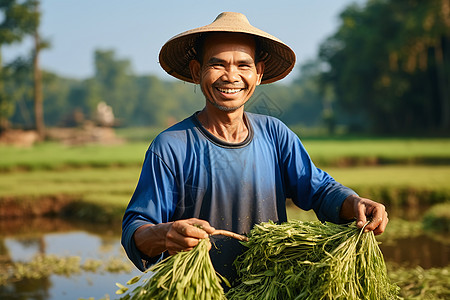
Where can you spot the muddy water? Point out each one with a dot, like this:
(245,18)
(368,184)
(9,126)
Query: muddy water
(21,240)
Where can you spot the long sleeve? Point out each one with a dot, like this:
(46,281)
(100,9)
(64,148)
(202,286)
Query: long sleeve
(308,186)
(153,201)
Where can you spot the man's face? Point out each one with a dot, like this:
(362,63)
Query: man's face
(228,74)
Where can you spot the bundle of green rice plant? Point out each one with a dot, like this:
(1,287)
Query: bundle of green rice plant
(311,260)
(185,275)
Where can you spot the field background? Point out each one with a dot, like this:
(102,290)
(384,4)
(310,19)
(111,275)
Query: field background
(393,171)
(93,184)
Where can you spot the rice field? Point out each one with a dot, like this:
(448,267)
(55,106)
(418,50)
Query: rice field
(99,181)
(323,152)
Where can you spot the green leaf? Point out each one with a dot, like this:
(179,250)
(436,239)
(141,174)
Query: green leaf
(133,280)
(250,282)
(122,289)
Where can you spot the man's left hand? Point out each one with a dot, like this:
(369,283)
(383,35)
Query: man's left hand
(364,210)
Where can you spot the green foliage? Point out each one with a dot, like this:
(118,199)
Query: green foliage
(389,62)
(44,265)
(419,283)
(437,218)
(385,70)
(19,18)
(311,260)
(185,275)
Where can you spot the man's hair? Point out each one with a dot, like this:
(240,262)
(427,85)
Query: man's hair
(200,42)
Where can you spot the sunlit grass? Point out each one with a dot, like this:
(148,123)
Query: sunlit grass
(323,152)
(122,180)
(58,156)
(410,151)
(84,181)
(425,177)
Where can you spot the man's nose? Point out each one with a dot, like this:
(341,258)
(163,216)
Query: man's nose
(231,75)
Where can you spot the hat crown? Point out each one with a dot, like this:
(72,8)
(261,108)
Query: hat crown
(230,18)
(177,53)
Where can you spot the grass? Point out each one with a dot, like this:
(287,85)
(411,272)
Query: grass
(123,179)
(354,152)
(53,156)
(398,185)
(104,183)
(90,194)
(418,283)
(105,176)
(113,186)
(323,152)
(430,177)
(437,218)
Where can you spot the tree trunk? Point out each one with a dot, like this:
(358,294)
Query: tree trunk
(3,118)
(38,98)
(443,91)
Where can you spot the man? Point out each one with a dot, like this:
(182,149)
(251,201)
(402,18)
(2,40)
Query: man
(222,167)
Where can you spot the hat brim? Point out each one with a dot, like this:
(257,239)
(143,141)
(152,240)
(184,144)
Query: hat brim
(176,54)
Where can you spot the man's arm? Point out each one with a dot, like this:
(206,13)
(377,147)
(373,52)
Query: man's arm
(316,189)
(181,235)
(364,210)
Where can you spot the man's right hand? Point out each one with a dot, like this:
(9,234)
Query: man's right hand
(184,235)
(181,235)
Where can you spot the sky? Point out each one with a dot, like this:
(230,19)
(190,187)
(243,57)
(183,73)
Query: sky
(137,29)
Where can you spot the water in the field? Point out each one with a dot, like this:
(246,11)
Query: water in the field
(21,240)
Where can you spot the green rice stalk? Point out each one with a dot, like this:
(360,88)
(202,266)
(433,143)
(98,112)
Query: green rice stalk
(185,275)
(311,260)
(419,283)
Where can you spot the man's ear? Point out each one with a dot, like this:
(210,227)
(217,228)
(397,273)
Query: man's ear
(259,71)
(195,68)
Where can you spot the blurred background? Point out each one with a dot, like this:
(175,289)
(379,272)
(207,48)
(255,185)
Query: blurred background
(379,67)
(82,95)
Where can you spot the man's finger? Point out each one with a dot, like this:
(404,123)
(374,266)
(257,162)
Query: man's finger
(189,228)
(202,224)
(382,227)
(378,222)
(361,218)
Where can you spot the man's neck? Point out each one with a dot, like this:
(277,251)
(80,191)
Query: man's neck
(228,126)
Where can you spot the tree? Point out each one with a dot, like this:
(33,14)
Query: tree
(39,45)
(19,19)
(390,61)
(114,77)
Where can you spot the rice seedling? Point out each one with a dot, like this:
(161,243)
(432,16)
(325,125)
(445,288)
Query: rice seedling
(419,283)
(311,260)
(185,275)
(46,265)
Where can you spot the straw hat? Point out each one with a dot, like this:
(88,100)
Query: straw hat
(176,54)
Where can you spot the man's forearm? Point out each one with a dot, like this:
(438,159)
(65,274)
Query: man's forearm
(151,239)
(348,208)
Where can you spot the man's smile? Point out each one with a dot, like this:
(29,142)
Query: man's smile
(229,91)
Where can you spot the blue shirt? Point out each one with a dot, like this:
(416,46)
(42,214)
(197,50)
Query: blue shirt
(189,173)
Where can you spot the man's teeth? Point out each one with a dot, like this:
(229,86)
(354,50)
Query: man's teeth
(228,91)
